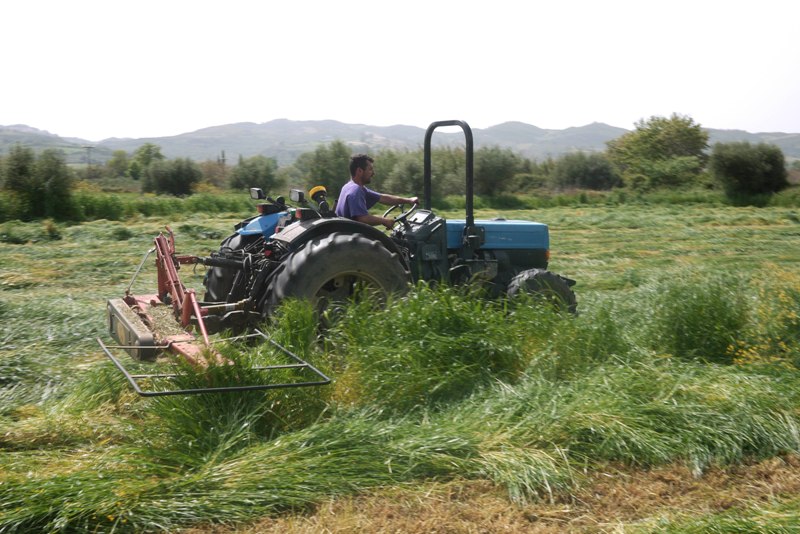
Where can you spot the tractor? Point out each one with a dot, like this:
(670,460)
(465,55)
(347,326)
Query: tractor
(304,251)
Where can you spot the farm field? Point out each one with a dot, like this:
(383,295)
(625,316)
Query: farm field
(671,403)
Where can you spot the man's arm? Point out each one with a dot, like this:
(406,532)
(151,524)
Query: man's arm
(374,220)
(392,200)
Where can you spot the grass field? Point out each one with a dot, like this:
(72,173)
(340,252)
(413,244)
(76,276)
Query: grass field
(671,403)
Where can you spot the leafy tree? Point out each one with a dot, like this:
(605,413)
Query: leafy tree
(43,185)
(143,158)
(118,164)
(214,173)
(303,164)
(406,176)
(147,154)
(258,171)
(328,165)
(17,178)
(185,175)
(18,169)
(749,170)
(135,170)
(675,171)
(385,161)
(529,174)
(448,170)
(55,180)
(151,175)
(175,177)
(290,176)
(534,175)
(494,171)
(652,146)
(585,171)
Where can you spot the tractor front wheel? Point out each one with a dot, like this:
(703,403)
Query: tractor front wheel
(331,270)
(549,286)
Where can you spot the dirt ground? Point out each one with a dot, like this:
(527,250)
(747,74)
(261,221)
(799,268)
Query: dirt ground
(610,499)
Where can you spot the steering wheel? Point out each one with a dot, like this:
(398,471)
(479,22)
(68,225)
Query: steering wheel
(403,217)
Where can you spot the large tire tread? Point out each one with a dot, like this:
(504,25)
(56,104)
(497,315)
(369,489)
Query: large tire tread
(309,272)
(551,286)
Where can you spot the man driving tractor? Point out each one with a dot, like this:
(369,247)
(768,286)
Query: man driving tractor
(356,199)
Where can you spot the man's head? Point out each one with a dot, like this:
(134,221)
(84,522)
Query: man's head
(361,169)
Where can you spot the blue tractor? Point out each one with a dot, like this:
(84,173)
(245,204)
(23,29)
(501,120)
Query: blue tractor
(307,252)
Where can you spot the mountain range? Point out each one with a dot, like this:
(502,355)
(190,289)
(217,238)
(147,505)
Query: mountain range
(285,139)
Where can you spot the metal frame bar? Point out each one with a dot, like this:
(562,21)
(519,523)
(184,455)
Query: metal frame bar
(139,269)
(299,364)
(427,166)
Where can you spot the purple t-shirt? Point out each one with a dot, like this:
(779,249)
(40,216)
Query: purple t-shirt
(355,200)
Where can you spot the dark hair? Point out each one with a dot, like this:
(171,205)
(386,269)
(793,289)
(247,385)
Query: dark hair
(359,161)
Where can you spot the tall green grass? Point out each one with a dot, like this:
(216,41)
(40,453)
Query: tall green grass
(437,346)
(440,385)
(696,316)
(686,355)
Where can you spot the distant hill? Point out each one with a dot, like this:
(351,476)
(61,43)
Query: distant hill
(285,140)
(39,140)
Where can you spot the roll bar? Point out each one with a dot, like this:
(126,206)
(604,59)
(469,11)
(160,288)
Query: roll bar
(470,165)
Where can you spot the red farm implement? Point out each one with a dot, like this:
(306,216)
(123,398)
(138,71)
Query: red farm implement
(173,321)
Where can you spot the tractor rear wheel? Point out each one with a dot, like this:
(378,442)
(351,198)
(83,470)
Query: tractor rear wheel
(549,286)
(331,270)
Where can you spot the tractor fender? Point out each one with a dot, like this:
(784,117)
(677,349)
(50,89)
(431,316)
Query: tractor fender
(299,233)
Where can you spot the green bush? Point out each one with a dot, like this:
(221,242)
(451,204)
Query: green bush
(42,185)
(12,206)
(788,197)
(584,171)
(748,172)
(257,171)
(174,177)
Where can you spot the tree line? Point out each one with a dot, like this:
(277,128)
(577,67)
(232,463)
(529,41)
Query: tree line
(661,152)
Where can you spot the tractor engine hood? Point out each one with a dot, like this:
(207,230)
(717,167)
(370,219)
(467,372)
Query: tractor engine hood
(502,234)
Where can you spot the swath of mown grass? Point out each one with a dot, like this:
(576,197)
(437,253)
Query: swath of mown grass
(782,518)
(613,499)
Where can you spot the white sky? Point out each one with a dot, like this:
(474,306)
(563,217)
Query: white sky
(145,68)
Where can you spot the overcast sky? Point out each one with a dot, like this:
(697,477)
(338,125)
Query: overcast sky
(145,68)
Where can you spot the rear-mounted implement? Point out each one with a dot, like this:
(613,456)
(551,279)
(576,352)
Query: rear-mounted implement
(174,321)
